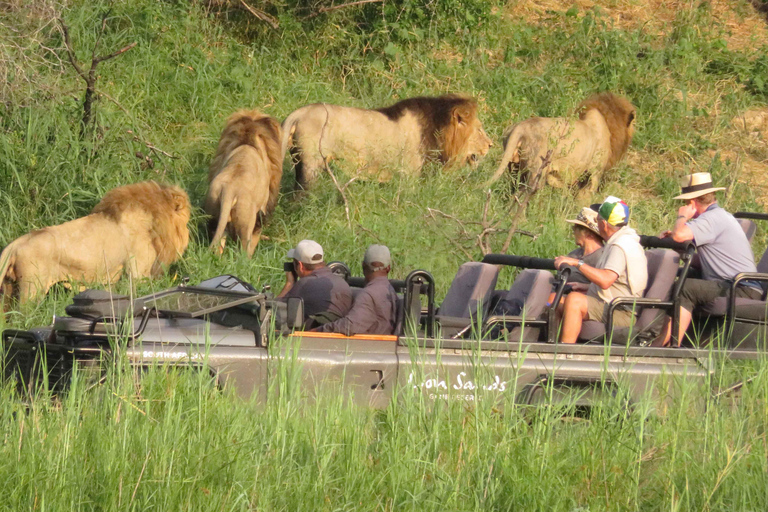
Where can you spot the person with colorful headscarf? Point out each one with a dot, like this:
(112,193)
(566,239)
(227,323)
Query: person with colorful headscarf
(620,272)
(721,244)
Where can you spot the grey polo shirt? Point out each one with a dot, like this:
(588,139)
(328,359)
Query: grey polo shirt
(374,311)
(322,291)
(723,247)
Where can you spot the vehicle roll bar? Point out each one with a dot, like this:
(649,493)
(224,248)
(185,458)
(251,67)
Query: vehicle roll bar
(421,279)
(751,215)
(519,261)
(654,242)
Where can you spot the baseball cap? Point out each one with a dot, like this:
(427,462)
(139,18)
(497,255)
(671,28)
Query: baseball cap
(306,251)
(377,254)
(614,211)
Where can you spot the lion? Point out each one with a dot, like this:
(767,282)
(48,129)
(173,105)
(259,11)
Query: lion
(244,178)
(572,151)
(134,228)
(404,135)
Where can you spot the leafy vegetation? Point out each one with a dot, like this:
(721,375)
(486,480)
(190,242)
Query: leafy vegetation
(178,443)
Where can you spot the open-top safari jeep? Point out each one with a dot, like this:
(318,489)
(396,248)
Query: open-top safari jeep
(480,344)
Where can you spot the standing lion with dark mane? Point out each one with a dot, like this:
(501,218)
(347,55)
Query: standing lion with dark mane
(134,228)
(244,178)
(572,150)
(399,137)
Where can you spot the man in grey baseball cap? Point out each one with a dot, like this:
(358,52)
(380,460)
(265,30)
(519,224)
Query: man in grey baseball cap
(327,296)
(375,308)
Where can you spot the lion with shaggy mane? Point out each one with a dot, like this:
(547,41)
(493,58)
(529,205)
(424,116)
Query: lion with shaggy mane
(591,144)
(135,227)
(402,136)
(244,178)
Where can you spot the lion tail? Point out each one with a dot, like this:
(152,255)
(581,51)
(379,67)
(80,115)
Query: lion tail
(511,148)
(7,260)
(288,128)
(225,208)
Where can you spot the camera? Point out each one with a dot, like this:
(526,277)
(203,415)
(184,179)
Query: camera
(288,266)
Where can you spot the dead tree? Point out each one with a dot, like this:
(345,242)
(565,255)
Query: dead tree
(89,76)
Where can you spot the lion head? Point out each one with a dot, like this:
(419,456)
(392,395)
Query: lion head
(619,115)
(450,126)
(168,207)
(252,128)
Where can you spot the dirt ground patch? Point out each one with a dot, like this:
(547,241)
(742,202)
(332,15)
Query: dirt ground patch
(747,28)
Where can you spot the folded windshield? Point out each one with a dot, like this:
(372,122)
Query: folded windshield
(192,302)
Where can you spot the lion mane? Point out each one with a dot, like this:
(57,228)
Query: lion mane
(134,228)
(572,151)
(244,178)
(402,136)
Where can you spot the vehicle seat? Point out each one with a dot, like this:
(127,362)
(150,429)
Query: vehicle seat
(749,228)
(746,308)
(525,300)
(399,315)
(469,295)
(662,270)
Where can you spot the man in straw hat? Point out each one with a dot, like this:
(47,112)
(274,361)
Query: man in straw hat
(375,308)
(721,244)
(326,295)
(621,272)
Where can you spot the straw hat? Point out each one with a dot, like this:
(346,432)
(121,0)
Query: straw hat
(696,185)
(587,218)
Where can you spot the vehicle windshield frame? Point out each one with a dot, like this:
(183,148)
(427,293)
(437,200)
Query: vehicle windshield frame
(237,299)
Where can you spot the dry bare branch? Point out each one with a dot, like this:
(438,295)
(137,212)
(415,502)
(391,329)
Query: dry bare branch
(323,10)
(261,15)
(90,77)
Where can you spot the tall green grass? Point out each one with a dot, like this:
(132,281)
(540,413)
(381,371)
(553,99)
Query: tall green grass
(174,441)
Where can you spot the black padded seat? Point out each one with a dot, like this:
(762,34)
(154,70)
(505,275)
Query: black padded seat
(662,270)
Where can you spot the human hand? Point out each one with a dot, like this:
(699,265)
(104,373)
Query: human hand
(290,278)
(687,211)
(565,260)
(665,234)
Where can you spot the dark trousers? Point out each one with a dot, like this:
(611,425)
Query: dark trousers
(697,293)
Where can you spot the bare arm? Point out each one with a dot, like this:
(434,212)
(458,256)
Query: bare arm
(290,280)
(681,232)
(601,277)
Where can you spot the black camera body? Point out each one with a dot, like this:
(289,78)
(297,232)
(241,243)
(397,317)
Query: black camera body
(289,266)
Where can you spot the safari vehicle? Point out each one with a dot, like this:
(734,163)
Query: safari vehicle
(461,351)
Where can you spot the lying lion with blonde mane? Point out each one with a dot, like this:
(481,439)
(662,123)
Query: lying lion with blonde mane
(581,149)
(399,137)
(244,178)
(136,228)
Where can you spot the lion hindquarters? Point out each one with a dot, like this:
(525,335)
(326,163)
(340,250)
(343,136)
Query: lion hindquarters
(88,249)
(240,197)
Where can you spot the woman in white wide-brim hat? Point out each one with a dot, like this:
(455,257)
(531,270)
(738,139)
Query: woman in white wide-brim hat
(721,244)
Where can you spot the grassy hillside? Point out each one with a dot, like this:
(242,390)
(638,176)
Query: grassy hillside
(687,71)
(174,442)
